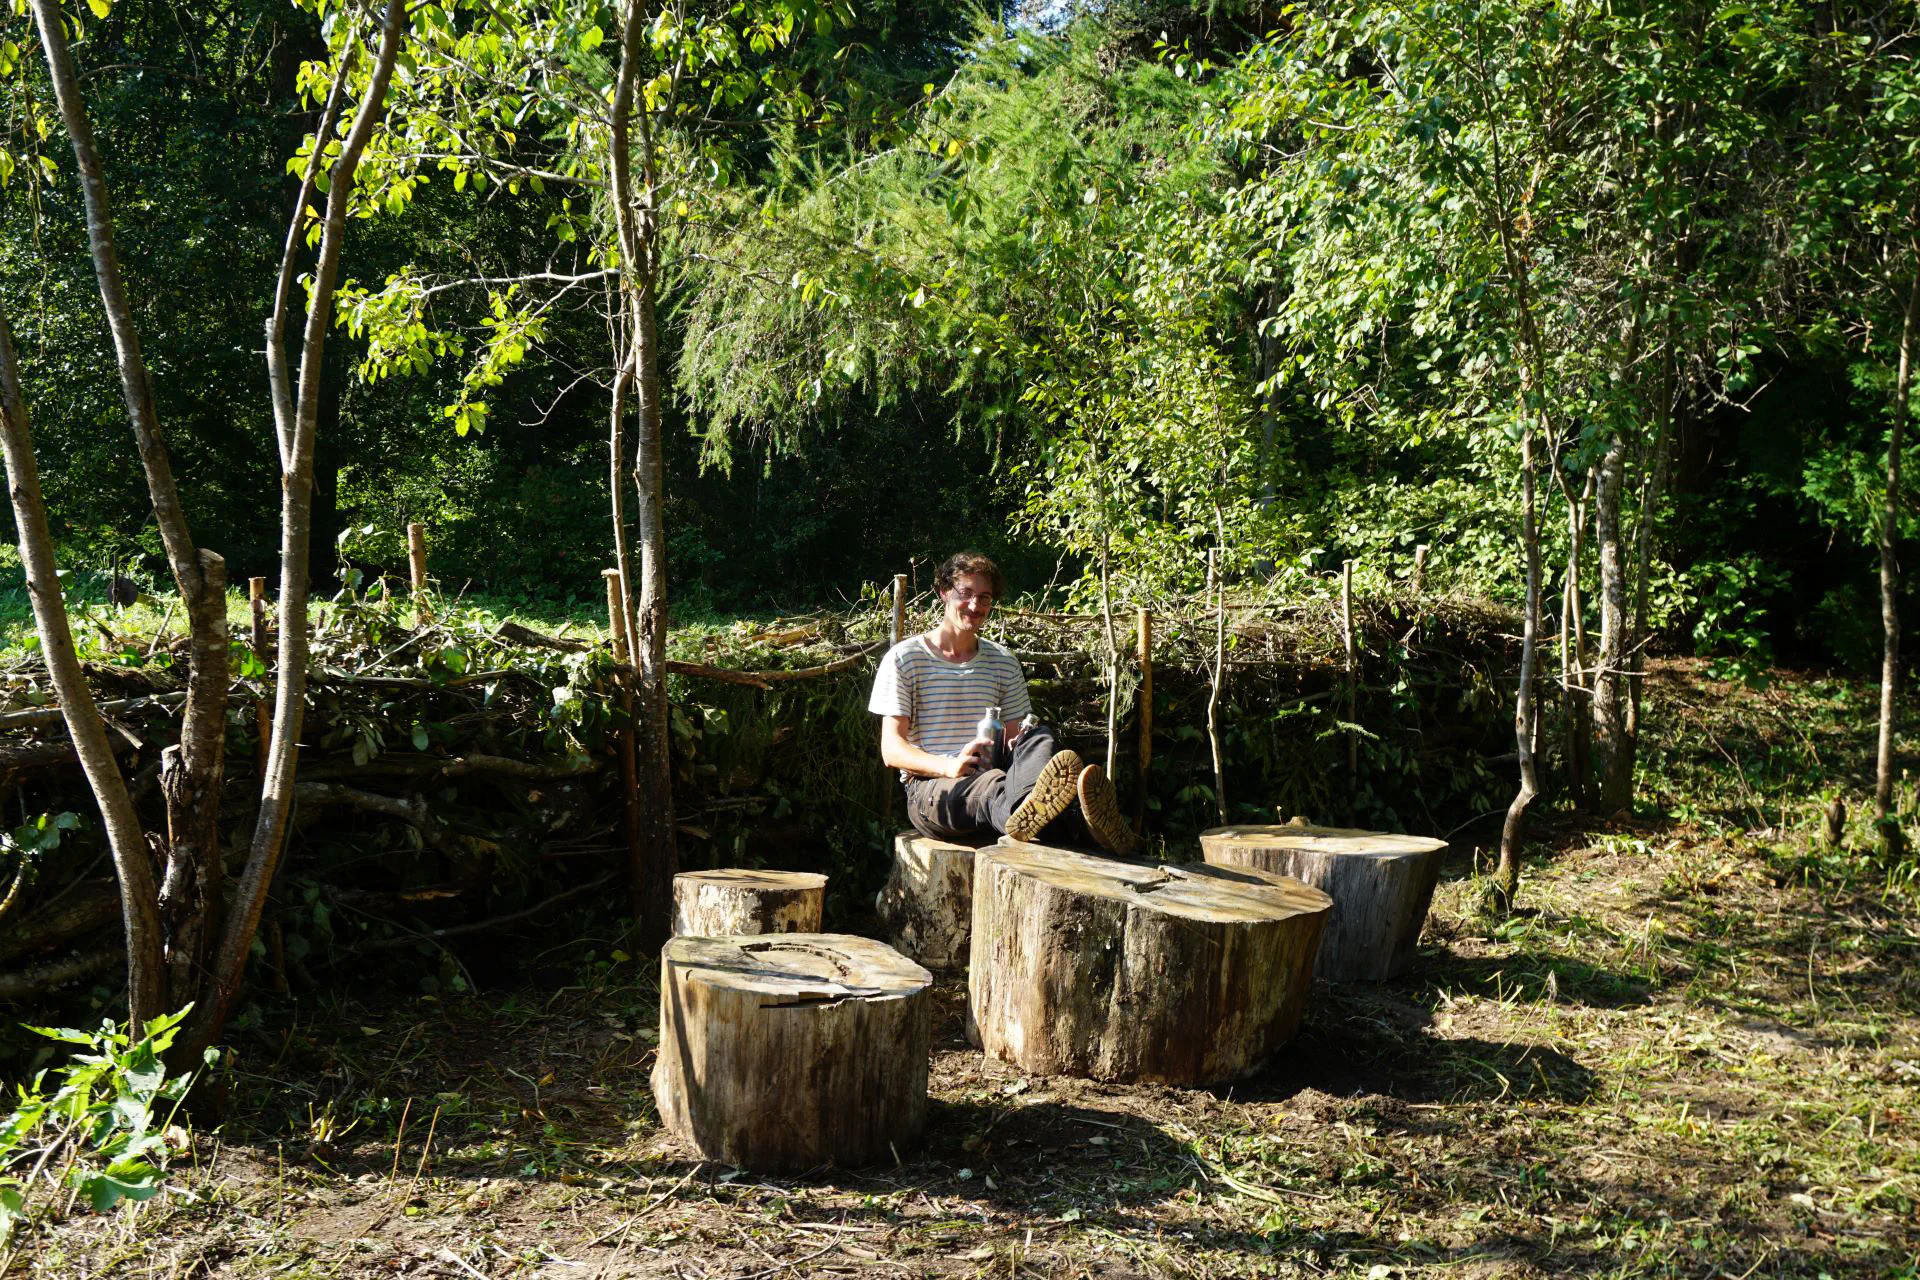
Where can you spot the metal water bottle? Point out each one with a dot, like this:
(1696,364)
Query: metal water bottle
(991,729)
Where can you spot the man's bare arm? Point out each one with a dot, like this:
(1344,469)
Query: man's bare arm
(897,753)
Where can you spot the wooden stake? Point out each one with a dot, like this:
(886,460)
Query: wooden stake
(616,615)
(887,786)
(1144,653)
(417,565)
(1353,689)
(1420,568)
(262,715)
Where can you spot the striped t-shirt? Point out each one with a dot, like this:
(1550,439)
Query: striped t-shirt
(945,700)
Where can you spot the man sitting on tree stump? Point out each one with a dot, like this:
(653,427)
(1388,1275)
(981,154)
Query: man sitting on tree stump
(932,693)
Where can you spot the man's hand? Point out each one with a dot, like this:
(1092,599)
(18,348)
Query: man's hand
(972,758)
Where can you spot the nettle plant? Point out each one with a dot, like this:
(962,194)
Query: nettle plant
(100,1132)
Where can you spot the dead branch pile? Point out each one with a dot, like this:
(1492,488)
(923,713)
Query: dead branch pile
(455,777)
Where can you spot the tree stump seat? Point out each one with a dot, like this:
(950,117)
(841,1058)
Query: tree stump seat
(792,1051)
(1122,971)
(1381,885)
(732,902)
(927,902)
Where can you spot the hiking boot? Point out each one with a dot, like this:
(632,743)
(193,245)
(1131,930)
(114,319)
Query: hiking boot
(1052,795)
(1100,808)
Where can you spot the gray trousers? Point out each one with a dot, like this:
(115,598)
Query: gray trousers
(980,803)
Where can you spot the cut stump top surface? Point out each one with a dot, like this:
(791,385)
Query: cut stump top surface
(748,878)
(796,967)
(1213,894)
(1346,841)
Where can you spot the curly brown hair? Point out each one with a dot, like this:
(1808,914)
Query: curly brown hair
(968,562)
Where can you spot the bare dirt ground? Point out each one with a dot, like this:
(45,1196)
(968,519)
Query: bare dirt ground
(1696,1054)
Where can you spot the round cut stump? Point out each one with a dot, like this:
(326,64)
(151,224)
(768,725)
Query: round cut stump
(731,902)
(927,902)
(1119,971)
(1381,885)
(786,1053)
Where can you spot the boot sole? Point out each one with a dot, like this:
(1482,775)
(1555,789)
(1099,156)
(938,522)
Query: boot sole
(1052,795)
(1101,809)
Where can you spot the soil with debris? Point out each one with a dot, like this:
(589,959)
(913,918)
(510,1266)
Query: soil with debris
(1681,1062)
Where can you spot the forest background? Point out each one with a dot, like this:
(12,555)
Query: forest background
(862,321)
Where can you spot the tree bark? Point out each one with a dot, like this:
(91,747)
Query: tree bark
(193,793)
(296,509)
(279,379)
(1576,709)
(133,866)
(1506,886)
(1613,744)
(1890,581)
(634,222)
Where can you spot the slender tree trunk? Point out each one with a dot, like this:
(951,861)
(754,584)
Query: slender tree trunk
(296,511)
(193,770)
(655,776)
(1654,467)
(1576,709)
(634,222)
(640,870)
(1219,673)
(1506,887)
(1113,645)
(133,865)
(279,377)
(1613,745)
(1890,582)
(1613,735)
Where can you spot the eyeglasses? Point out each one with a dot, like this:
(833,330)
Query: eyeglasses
(969,597)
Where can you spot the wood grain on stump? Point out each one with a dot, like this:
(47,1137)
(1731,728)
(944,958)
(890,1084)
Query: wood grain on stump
(927,903)
(1381,885)
(786,1053)
(1120,971)
(731,902)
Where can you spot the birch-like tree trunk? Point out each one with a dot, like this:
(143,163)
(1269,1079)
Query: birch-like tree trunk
(1506,887)
(1575,693)
(1613,743)
(222,987)
(139,903)
(192,771)
(634,217)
